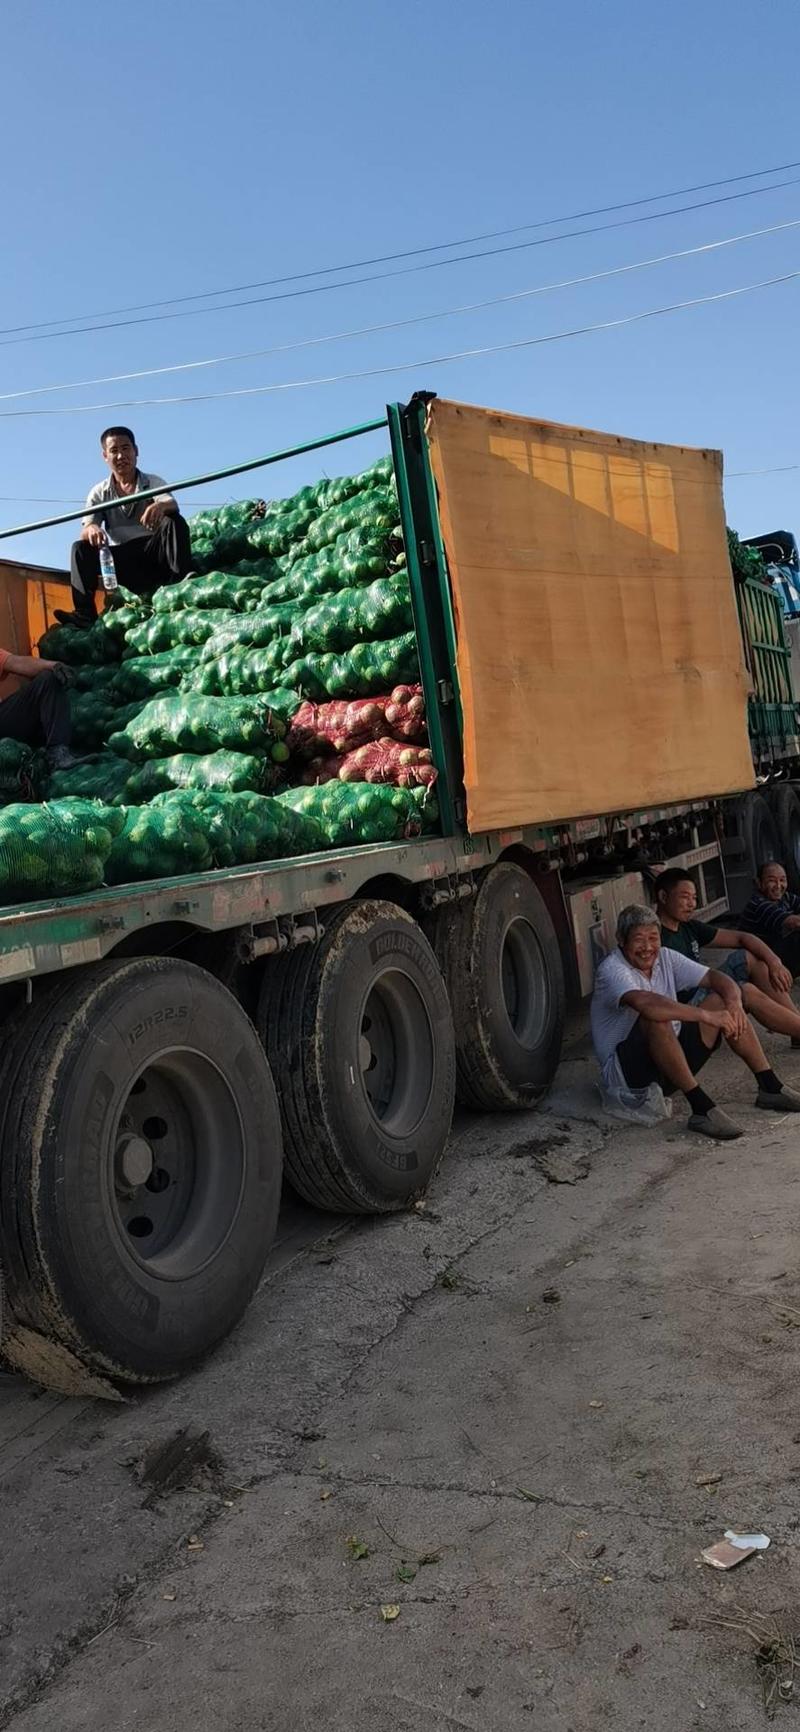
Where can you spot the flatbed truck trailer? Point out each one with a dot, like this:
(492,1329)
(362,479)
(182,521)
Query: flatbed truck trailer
(600,700)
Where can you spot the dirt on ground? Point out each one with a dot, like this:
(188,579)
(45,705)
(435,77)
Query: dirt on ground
(456,1469)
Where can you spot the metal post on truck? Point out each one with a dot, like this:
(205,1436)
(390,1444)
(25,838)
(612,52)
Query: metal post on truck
(431,602)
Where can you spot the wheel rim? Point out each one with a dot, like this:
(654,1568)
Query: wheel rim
(396,1054)
(524,983)
(177,1164)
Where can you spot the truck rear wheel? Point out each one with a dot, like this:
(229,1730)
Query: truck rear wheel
(359,1034)
(141,1166)
(501,963)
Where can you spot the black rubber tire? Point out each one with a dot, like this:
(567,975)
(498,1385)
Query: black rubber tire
(785,807)
(372,970)
(759,832)
(73,1271)
(499,1068)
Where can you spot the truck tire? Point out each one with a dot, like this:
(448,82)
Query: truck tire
(759,832)
(140,1166)
(359,1034)
(501,963)
(785,806)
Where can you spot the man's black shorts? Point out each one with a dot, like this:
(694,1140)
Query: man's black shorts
(638,1066)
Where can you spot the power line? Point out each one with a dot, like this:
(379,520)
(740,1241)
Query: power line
(404,271)
(409,366)
(412,252)
(399,324)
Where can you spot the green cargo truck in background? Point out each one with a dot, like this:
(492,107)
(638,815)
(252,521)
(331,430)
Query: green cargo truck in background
(172,1049)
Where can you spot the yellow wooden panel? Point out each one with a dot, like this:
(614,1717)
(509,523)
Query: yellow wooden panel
(598,647)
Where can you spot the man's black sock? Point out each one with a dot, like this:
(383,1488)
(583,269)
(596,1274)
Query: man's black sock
(699,1101)
(768,1082)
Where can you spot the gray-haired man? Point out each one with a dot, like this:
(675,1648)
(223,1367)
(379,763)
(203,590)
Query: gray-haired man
(643,1034)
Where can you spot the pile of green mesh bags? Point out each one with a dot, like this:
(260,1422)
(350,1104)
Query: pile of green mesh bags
(268,707)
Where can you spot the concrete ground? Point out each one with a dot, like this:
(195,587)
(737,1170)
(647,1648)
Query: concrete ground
(460,1464)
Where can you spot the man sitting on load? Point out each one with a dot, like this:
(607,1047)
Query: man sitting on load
(643,1034)
(764,980)
(150,540)
(37,714)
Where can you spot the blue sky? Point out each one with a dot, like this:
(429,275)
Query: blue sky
(169,149)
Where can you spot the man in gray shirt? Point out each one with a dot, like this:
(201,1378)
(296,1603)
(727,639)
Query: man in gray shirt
(643,1034)
(149,540)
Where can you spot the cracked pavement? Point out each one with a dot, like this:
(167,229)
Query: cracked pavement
(509,1398)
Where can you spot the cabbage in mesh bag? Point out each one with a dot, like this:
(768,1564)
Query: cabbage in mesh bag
(166,630)
(225,772)
(238,671)
(375,509)
(18,771)
(367,668)
(78,648)
(104,778)
(159,841)
(259,828)
(143,676)
(251,631)
(95,716)
(358,556)
(351,813)
(55,849)
(217,589)
(185,723)
(337,622)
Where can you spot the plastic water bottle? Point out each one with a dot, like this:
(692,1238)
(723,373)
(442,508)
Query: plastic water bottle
(108,569)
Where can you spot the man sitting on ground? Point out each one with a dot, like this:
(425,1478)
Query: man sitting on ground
(764,981)
(774,913)
(150,540)
(643,1035)
(37,714)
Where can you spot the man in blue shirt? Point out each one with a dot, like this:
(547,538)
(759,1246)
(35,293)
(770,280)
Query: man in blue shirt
(774,913)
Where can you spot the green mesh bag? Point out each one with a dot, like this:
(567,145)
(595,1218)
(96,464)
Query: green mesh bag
(166,631)
(103,779)
(337,622)
(94,679)
(251,631)
(359,672)
(239,671)
(278,533)
(143,677)
(56,849)
(358,556)
(746,562)
(354,814)
(218,589)
(191,723)
(159,841)
(96,715)
(374,508)
(19,771)
(245,829)
(222,772)
(79,648)
(335,492)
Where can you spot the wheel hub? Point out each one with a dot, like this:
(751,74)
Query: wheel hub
(133,1163)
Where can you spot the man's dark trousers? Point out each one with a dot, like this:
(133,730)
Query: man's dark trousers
(142,564)
(37,714)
